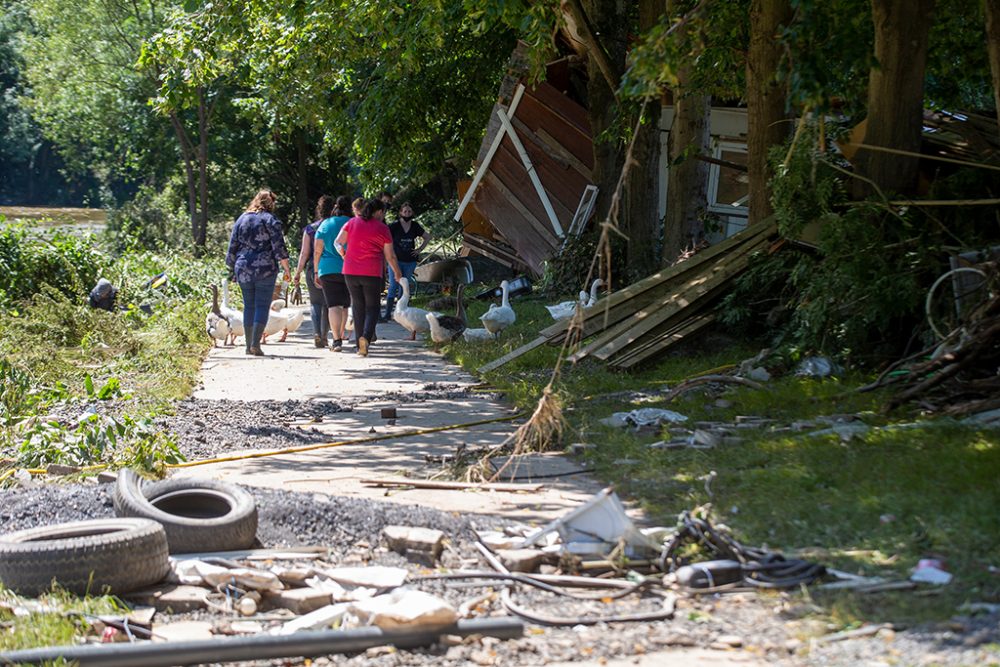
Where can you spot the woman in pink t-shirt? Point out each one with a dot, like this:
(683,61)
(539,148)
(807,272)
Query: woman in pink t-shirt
(369,243)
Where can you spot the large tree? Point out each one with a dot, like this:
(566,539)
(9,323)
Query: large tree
(767,98)
(993,47)
(896,95)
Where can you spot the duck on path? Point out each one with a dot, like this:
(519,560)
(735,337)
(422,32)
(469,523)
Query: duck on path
(233,316)
(216,325)
(410,318)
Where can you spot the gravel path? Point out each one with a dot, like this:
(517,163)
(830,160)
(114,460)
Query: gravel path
(204,429)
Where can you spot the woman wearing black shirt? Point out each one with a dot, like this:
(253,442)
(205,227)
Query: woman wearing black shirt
(408,239)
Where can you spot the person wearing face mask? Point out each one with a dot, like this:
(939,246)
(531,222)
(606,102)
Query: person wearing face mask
(408,239)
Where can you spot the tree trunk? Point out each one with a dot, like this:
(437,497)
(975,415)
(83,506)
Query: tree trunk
(993,46)
(687,176)
(192,186)
(641,197)
(302,178)
(895,95)
(766,99)
(199,240)
(607,19)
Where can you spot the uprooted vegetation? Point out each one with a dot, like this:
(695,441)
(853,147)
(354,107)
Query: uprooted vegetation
(79,385)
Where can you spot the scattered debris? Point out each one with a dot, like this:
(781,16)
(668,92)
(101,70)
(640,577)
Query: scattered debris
(405,608)
(818,367)
(596,528)
(931,571)
(644,417)
(172,598)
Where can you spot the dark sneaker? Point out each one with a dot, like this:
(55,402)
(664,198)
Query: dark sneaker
(338,345)
(257,352)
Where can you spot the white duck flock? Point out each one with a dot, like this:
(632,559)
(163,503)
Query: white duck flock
(497,319)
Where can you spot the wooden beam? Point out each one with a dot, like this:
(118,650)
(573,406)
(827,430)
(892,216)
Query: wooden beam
(687,328)
(617,306)
(532,174)
(513,354)
(489,156)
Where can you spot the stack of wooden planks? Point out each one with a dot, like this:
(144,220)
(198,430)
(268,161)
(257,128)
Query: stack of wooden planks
(644,319)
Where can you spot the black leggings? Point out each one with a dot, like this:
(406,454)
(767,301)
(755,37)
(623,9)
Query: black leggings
(365,292)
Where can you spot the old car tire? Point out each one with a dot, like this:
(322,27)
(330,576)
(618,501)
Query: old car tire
(96,556)
(197,514)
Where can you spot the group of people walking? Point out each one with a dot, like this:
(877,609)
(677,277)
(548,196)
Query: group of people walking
(343,256)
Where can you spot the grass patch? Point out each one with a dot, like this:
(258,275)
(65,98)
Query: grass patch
(874,505)
(54,619)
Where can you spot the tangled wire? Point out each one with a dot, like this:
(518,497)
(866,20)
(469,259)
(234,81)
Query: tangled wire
(758,567)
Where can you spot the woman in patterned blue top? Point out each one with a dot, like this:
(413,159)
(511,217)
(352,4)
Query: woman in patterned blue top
(256,249)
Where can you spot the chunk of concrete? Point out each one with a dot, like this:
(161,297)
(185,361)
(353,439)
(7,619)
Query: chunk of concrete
(171,598)
(520,560)
(299,600)
(405,608)
(183,631)
(405,539)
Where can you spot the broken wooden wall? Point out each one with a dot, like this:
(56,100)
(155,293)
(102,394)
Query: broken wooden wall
(555,134)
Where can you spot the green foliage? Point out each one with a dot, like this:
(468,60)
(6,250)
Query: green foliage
(87,94)
(67,264)
(859,294)
(712,47)
(125,441)
(58,352)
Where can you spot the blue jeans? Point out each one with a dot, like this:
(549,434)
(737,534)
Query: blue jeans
(257,296)
(394,289)
(320,321)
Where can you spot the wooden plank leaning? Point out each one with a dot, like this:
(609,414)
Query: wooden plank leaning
(513,354)
(615,307)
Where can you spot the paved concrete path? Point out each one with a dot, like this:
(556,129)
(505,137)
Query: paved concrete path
(426,392)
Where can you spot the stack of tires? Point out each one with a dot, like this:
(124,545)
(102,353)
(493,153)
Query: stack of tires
(184,515)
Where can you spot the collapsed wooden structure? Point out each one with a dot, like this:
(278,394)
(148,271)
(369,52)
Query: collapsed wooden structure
(646,318)
(533,186)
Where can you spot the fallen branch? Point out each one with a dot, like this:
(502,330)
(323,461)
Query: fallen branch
(687,385)
(453,486)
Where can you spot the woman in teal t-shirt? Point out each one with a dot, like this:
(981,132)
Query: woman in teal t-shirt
(330,270)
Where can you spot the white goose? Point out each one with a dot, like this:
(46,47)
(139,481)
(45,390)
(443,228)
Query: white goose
(497,319)
(293,318)
(277,319)
(593,293)
(565,310)
(233,316)
(411,319)
(216,325)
